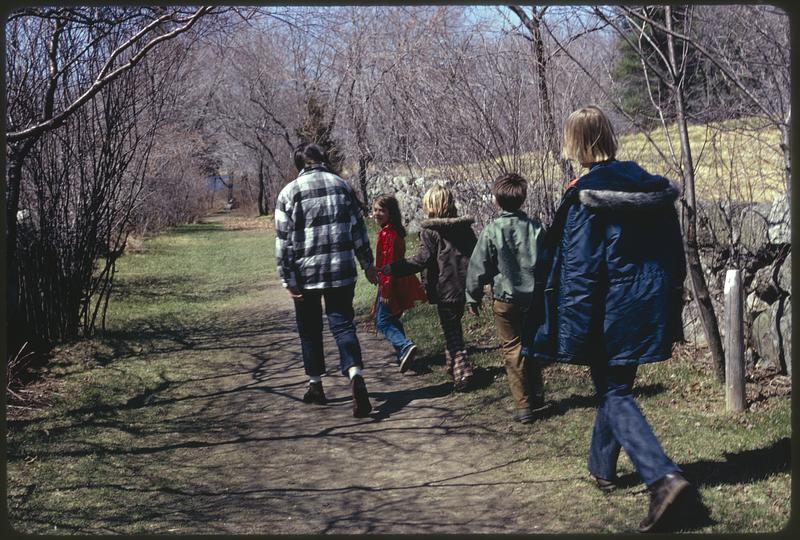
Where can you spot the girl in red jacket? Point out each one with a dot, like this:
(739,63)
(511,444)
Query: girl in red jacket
(395,294)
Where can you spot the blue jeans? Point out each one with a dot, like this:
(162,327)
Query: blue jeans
(391,327)
(621,424)
(339,310)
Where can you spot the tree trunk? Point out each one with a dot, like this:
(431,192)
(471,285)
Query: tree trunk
(363,162)
(699,286)
(533,24)
(786,148)
(16,157)
(262,207)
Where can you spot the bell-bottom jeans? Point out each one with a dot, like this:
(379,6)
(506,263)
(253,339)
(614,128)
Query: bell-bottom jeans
(621,424)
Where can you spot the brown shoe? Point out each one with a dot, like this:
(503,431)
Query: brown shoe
(361,404)
(662,494)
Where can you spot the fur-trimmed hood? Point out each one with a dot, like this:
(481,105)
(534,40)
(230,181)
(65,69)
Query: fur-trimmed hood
(624,185)
(443,224)
(619,200)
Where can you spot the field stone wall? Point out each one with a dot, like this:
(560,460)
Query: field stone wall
(475,201)
(756,239)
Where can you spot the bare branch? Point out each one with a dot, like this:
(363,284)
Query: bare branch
(103,79)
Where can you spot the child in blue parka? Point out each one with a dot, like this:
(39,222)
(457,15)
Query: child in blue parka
(613,298)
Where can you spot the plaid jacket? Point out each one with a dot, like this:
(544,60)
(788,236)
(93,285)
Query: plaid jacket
(318,227)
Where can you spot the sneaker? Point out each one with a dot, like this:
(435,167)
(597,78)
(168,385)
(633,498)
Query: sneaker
(523,416)
(361,404)
(407,357)
(315,394)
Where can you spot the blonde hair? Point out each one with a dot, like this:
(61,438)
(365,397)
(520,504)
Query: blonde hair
(438,202)
(589,136)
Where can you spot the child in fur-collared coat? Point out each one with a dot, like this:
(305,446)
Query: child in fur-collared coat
(446,244)
(613,297)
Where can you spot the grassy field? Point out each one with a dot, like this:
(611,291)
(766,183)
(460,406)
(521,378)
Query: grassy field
(176,295)
(733,160)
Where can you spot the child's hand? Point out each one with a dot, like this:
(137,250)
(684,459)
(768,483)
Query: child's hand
(372,275)
(295,293)
(384,301)
(473,309)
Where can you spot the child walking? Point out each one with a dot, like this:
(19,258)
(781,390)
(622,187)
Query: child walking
(446,243)
(616,267)
(505,256)
(395,294)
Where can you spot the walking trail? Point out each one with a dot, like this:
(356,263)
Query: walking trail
(414,466)
(216,439)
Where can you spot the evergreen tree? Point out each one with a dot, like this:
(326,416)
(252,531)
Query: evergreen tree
(317,129)
(633,75)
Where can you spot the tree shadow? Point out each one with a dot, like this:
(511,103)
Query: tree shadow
(399,399)
(689,512)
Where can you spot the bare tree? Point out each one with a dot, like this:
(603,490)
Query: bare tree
(533,23)
(75,149)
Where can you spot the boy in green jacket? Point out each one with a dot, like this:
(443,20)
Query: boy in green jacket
(505,256)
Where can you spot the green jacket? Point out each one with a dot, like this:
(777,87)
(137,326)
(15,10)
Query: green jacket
(505,256)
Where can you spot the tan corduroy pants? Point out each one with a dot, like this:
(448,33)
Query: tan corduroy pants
(524,377)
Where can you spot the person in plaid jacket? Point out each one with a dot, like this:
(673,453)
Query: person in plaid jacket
(319,236)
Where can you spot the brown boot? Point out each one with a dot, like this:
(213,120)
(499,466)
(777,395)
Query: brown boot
(361,404)
(448,363)
(662,494)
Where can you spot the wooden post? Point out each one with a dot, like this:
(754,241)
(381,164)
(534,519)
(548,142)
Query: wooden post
(734,342)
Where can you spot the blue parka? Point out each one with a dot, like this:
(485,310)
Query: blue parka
(613,270)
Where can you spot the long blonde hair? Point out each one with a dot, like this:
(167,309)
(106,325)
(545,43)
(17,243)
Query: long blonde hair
(589,136)
(438,202)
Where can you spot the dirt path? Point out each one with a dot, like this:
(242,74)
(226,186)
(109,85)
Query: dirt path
(413,467)
(211,436)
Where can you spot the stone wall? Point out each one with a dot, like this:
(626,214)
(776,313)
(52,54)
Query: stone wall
(756,239)
(753,237)
(475,201)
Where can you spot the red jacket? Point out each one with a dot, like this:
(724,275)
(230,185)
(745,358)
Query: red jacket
(402,292)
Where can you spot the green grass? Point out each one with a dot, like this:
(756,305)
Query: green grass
(736,159)
(739,462)
(181,296)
